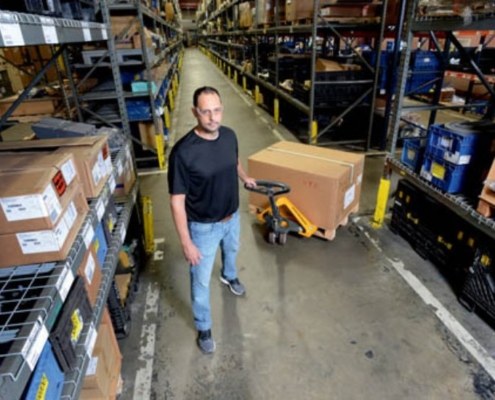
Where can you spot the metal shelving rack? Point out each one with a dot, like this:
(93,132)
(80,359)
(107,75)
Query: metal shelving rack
(215,44)
(173,34)
(413,26)
(30,336)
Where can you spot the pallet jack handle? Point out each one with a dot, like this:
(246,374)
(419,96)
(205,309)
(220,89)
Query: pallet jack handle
(270,189)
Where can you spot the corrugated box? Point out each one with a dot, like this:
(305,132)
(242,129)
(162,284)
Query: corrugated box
(169,11)
(245,15)
(147,133)
(90,271)
(91,155)
(298,9)
(325,184)
(103,372)
(123,281)
(35,198)
(487,194)
(126,176)
(39,246)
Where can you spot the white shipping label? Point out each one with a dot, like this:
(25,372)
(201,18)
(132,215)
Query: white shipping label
(19,208)
(88,235)
(34,344)
(64,283)
(102,165)
(360,179)
(68,171)
(49,31)
(92,365)
(96,172)
(90,343)
(349,196)
(89,269)
(112,184)
(100,209)
(38,242)
(70,215)
(108,165)
(52,204)
(11,35)
(61,232)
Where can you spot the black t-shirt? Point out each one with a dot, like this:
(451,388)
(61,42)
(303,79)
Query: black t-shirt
(206,172)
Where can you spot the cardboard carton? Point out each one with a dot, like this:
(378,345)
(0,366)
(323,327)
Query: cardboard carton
(123,281)
(298,9)
(487,194)
(90,271)
(38,246)
(126,176)
(325,184)
(91,155)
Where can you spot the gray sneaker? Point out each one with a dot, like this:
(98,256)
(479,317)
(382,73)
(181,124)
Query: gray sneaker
(205,342)
(234,285)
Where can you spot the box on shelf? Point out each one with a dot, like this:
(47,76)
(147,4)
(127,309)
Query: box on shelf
(169,11)
(19,131)
(41,106)
(148,134)
(325,184)
(123,282)
(103,372)
(90,271)
(126,176)
(245,15)
(124,26)
(39,246)
(298,9)
(488,193)
(91,155)
(34,198)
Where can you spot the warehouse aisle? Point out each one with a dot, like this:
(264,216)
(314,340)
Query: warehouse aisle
(321,320)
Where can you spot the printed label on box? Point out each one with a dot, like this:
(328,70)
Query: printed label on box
(68,171)
(64,282)
(61,232)
(91,369)
(52,204)
(38,242)
(19,208)
(70,215)
(96,173)
(360,179)
(89,270)
(34,343)
(349,196)
(88,235)
(108,166)
(91,340)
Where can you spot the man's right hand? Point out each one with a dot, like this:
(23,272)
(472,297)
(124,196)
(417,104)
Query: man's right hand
(192,254)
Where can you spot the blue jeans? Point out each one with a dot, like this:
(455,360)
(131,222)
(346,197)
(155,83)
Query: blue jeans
(208,237)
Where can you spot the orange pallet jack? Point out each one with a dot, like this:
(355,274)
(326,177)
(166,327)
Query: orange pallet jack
(281,216)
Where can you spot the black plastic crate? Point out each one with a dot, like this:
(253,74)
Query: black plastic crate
(76,313)
(120,316)
(42,7)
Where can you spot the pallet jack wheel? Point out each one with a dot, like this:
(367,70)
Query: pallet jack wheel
(282,238)
(272,237)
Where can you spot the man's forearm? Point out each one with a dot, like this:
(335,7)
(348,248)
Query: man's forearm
(180,221)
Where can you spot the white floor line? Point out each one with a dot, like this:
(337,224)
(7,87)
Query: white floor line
(455,327)
(142,383)
(154,172)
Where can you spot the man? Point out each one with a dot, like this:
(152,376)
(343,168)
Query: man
(203,174)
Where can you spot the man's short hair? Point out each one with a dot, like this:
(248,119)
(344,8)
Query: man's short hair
(201,90)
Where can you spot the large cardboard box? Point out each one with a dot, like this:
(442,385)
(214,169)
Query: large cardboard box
(126,175)
(487,194)
(103,372)
(298,9)
(90,271)
(38,246)
(245,15)
(91,155)
(147,133)
(325,184)
(35,190)
(45,105)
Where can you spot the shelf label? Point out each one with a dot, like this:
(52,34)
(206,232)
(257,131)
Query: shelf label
(88,235)
(104,33)
(112,184)
(34,343)
(89,269)
(11,34)
(120,168)
(86,32)
(91,339)
(64,282)
(123,232)
(100,209)
(49,31)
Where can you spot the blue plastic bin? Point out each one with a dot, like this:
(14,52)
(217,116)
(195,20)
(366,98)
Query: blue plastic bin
(425,61)
(412,153)
(453,146)
(448,177)
(47,380)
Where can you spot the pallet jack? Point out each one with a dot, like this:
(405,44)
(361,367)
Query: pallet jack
(281,216)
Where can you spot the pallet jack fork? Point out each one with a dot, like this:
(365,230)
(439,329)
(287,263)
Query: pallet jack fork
(281,216)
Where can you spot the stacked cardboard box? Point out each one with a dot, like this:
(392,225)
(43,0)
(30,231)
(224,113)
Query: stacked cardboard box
(325,184)
(126,176)
(91,157)
(42,207)
(103,372)
(486,205)
(90,271)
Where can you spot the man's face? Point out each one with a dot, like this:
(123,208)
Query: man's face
(209,112)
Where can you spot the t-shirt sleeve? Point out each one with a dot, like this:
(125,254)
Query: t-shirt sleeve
(177,174)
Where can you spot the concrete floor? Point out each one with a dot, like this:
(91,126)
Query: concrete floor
(321,320)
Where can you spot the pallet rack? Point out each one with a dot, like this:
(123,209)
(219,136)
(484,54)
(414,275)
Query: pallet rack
(232,43)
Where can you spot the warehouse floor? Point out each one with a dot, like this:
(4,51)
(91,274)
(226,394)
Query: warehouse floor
(359,317)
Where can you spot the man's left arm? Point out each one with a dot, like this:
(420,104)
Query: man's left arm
(251,182)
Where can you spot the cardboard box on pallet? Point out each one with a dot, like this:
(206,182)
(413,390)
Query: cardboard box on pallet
(325,184)
(39,246)
(91,155)
(90,271)
(103,372)
(36,189)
